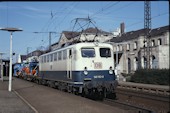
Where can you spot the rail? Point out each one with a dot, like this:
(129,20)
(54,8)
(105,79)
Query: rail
(154,89)
(129,106)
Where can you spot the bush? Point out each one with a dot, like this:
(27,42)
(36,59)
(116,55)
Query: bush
(151,76)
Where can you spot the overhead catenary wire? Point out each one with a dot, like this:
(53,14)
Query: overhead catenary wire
(120,8)
(52,22)
(104,8)
(66,15)
(141,21)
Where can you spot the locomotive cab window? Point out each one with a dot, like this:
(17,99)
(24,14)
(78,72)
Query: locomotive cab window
(105,52)
(87,52)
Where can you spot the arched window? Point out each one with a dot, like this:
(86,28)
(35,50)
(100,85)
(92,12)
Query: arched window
(153,43)
(144,62)
(154,62)
(159,41)
(135,45)
(135,63)
(129,65)
(118,47)
(144,43)
(128,47)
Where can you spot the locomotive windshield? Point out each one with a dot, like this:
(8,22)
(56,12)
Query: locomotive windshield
(88,52)
(105,52)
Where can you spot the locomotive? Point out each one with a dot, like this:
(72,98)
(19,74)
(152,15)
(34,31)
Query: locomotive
(83,68)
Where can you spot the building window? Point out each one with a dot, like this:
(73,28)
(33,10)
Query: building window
(154,61)
(159,42)
(144,43)
(144,62)
(135,63)
(128,47)
(117,49)
(153,43)
(129,65)
(135,45)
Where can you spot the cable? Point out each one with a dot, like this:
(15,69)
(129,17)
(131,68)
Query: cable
(151,19)
(66,15)
(118,9)
(101,10)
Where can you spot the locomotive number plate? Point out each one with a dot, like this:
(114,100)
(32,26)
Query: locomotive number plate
(98,65)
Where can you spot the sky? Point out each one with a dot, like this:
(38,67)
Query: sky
(58,16)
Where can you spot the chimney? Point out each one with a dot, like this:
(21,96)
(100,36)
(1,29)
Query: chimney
(122,28)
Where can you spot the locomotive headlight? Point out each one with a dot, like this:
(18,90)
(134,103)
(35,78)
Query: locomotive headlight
(85,71)
(110,70)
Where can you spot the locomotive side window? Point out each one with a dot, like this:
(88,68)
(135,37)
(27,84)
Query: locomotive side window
(105,52)
(55,56)
(59,55)
(87,52)
(51,57)
(64,54)
(70,53)
(44,59)
(41,60)
(47,58)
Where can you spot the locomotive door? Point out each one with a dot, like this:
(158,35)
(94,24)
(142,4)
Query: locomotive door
(69,64)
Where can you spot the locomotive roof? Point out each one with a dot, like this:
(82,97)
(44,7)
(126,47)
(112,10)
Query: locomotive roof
(80,44)
(91,30)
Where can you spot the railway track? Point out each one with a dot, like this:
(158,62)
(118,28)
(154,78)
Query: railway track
(144,95)
(135,101)
(147,102)
(127,106)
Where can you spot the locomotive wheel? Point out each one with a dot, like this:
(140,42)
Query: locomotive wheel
(37,81)
(111,96)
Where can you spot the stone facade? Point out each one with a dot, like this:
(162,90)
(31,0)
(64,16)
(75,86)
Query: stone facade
(130,54)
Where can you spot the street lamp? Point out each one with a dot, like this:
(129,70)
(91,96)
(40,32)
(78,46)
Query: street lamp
(11,30)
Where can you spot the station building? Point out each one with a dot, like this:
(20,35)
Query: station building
(130,52)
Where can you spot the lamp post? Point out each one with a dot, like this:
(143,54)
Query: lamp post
(11,30)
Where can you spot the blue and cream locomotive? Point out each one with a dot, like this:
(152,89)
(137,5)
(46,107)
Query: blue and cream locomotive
(85,68)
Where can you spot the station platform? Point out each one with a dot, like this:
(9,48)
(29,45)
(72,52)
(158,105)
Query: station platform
(10,102)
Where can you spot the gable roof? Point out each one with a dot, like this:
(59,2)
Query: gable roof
(159,31)
(135,34)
